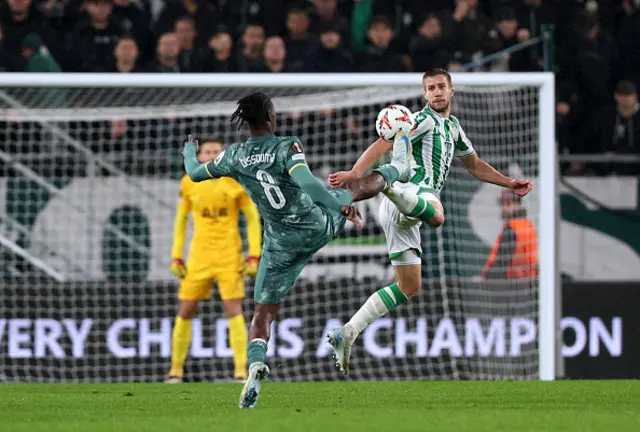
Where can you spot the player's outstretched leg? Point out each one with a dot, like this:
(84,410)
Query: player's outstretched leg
(401,156)
(341,349)
(376,306)
(382,178)
(416,206)
(400,168)
(257,353)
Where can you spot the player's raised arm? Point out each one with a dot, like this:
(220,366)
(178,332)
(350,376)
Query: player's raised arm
(364,162)
(302,176)
(485,172)
(482,170)
(198,172)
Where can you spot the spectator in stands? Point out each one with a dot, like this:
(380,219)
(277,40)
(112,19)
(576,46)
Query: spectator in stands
(470,29)
(62,15)
(126,56)
(430,47)
(136,23)
(596,57)
(250,56)
(91,43)
(329,56)
(531,14)
(218,56)
(166,55)
(326,12)
(37,56)
(619,128)
(508,33)
(628,37)
(186,32)
(231,13)
(20,18)
(272,15)
(583,86)
(381,53)
(203,14)
(275,55)
(7,62)
(299,42)
(418,9)
(515,253)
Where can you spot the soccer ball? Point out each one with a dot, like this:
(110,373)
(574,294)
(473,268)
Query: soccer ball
(392,119)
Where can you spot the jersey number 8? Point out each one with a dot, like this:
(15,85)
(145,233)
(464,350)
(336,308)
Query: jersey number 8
(271,189)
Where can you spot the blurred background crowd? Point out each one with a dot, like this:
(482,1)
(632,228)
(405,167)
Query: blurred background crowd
(597,46)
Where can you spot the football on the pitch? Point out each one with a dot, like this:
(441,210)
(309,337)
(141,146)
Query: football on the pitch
(392,119)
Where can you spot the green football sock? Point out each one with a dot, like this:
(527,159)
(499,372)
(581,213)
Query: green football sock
(376,306)
(410,204)
(392,296)
(389,172)
(257,351)
(423,210)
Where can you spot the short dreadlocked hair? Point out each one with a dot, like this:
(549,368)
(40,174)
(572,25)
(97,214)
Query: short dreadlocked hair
(253,109)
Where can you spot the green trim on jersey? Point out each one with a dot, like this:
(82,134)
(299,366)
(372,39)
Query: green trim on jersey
(424,189)
(460,145)
(436,155)
(421,171)
(395,255)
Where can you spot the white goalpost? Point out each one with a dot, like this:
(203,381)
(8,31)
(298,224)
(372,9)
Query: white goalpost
(89,176)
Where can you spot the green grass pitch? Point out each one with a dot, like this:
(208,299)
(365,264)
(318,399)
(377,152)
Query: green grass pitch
(450,406)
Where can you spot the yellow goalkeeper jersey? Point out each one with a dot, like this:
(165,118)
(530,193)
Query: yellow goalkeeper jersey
(215,205)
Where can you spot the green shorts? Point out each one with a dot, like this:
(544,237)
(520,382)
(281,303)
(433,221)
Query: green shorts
(279,269)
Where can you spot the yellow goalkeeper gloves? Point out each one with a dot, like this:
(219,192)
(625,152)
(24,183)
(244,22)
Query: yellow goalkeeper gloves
(250,267)
(178,268)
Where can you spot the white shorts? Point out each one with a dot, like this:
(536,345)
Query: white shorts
(403,232)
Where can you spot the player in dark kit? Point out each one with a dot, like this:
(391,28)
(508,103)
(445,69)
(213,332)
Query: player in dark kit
(300,215)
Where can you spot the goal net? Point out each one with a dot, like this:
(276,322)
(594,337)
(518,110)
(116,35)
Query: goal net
(88,188)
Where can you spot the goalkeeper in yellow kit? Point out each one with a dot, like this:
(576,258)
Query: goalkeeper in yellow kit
(215,254)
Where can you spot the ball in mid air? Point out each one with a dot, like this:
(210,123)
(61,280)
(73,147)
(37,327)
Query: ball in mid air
(393,119)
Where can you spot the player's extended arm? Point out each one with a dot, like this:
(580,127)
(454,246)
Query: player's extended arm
(254,227)
(303,177)
(364,162)
(485,172)
(374,152)
(198,172)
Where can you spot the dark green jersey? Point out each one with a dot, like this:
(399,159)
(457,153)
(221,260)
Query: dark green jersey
(262,165)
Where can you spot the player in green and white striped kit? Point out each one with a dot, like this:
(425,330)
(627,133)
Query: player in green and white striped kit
(436,139)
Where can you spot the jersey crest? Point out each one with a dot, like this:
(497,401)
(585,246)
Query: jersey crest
(297,147)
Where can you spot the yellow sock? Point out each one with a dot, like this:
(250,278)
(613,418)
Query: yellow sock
(238,342)
(179,346)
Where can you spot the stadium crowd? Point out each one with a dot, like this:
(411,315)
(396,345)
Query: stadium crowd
(597,46)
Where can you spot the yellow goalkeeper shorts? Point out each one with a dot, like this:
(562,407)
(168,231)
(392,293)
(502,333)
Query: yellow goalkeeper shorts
(198,283)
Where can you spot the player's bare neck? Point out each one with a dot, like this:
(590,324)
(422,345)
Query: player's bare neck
(444,114)
(261,132)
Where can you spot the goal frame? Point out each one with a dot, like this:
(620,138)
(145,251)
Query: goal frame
(549,286)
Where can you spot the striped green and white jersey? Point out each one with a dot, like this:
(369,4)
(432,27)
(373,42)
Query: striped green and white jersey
(436,140)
